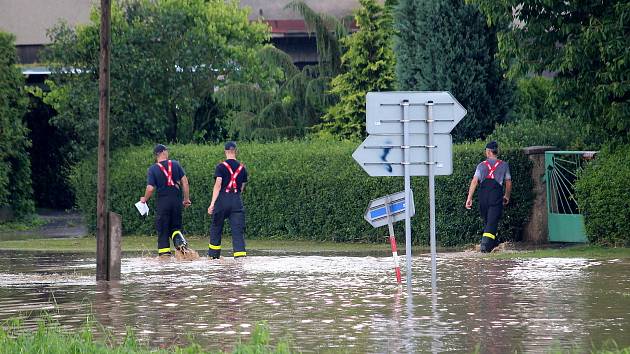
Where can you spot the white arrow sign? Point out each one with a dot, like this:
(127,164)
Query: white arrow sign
(384,112)
(382,155)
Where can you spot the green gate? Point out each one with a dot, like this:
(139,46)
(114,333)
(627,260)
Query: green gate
(565,222)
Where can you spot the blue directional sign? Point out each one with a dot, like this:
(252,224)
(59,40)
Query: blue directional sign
(382,211)
(376,213)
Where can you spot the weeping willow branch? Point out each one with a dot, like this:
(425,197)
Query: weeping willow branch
(328,31)
(275,57)
(245,97)
(242,125)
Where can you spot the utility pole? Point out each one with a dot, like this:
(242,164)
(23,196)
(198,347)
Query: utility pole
(102,199)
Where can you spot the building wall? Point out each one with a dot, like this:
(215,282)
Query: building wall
(28,20)
(275,9)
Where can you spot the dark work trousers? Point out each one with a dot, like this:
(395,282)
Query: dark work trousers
(168,218)
(228,206)
(491,208)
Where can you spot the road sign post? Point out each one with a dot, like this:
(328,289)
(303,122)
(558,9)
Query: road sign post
(431,164)
(409,136)
(405,162)
(392,239)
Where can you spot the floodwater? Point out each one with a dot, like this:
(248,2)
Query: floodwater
(333,303)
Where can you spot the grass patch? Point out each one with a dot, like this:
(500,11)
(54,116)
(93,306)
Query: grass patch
(28,223)
(50,337)
(149,244)
(577,251)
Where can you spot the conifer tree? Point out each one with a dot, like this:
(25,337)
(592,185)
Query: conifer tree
(446,45)
(369,63)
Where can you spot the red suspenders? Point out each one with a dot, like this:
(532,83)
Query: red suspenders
(491,169)
(169,174)
(232,186)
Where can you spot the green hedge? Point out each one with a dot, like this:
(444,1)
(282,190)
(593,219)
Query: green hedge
(604,197)
(306,190)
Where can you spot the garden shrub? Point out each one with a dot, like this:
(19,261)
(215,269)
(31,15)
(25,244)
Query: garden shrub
(537,119)
(15,166)
(309,189)
(604,197)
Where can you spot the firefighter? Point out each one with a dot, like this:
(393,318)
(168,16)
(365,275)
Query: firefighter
(492,174)
(169,179)
(226,203)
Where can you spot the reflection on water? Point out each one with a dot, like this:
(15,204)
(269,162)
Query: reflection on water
(321,303)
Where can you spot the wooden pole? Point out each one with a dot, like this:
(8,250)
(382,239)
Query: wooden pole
(115,241)
(102,207)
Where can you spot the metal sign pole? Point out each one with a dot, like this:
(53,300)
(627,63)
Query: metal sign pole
(431,165)
(405,163)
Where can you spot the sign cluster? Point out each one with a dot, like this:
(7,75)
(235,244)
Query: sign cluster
(409,135)
(381,153)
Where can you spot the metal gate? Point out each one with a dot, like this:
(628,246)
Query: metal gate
(565,222)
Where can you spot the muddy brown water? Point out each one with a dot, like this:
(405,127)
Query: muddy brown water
(333,303)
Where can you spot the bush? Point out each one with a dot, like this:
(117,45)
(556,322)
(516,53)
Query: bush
(306,190)
(537,119)
(560,131)
(15,166)
(533,99)
(604,197)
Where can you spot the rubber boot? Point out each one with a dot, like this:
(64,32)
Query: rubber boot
(179,241)
(487,244)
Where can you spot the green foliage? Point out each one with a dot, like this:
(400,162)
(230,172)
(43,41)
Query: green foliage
(604,197)
(560,131)
(303,95)
(534,99)
(369,63)
(328,33)
(446,45)
(280,105)
(50,337)
(15,167)
(306,190)
(538,119)
(584,42)
(167,58)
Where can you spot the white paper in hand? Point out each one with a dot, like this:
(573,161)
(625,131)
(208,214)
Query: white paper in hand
(143,208)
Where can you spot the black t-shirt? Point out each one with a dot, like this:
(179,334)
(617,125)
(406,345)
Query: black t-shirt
(157,178)
(222,171)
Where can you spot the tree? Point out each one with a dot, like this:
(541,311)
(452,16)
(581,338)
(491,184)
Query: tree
(15,167)
(168,56)
(328,33)
(369,66)
(447,45)
(585,43)
(284,102)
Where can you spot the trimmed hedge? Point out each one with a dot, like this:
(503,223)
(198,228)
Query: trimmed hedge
(604,197)
(307,190)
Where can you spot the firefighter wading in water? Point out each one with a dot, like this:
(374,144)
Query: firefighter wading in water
(492,174)
(231,176)
(169,179)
